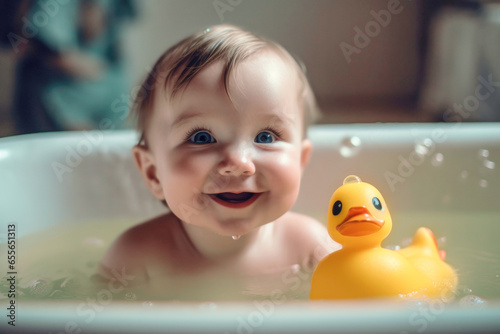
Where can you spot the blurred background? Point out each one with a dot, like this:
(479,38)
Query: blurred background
(75,65)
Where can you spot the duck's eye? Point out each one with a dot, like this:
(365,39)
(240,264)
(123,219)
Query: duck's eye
(202,137)
(337,207)
(376,203)
(264,137)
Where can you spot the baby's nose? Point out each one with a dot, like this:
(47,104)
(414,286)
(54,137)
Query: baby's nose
(237,161)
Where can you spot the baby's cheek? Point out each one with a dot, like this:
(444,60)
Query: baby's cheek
(184,165)
(182,176)
(285,173)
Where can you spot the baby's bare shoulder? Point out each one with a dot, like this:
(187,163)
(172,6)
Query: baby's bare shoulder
(306,233)
(135,245)
(142,236)
(299,230)
(293,222)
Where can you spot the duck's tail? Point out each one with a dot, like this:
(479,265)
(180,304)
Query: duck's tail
(424,241)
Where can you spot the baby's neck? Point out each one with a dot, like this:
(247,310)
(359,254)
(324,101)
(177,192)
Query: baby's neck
(214,246)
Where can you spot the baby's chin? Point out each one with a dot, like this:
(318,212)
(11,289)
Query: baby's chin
(236,224)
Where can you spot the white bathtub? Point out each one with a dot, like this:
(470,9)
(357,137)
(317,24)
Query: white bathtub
(444,176)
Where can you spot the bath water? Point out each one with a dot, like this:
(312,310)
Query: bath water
(61,263)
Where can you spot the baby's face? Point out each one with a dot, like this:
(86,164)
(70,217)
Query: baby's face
(230,166)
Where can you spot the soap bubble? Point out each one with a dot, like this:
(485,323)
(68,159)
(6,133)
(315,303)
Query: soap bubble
(483,183)
(352,179)
(483,154)
(350,146)
(472,301)
(422,146)
(147,304)
(437,159)
(464,174)
(441,241)
(489,164)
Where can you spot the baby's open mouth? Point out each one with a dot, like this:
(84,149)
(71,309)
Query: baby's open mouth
(235,200)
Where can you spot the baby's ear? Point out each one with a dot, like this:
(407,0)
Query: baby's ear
(145,162)
(306,151)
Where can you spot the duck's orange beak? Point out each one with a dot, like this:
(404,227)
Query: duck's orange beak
(359,222)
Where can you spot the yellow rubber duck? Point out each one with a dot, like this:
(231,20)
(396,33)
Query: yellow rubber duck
(358,219)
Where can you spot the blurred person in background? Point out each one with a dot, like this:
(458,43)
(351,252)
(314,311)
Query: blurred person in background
(70,71)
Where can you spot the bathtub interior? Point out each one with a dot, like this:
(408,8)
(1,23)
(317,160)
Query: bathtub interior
(444,176)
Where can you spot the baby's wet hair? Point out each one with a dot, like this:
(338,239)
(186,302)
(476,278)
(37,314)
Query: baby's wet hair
(228,44)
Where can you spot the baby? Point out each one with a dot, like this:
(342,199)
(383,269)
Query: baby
(223,117)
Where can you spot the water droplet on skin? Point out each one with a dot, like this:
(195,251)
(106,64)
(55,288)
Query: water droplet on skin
(489,164)
(350,146)
(483,154)
(235,237)
(464,174)
(437,159)
(483,183)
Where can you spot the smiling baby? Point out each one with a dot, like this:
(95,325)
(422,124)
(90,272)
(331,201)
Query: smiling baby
(223,118)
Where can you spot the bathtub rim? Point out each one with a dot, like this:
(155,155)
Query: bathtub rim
(290,317)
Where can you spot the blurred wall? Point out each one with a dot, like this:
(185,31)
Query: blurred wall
(385,65)
(7,61)
(313,30)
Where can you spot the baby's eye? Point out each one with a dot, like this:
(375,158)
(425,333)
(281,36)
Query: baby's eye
(202,137)
(265,137)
